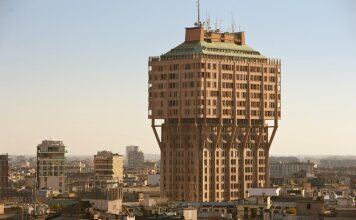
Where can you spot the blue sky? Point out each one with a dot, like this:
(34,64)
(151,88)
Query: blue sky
(76,71)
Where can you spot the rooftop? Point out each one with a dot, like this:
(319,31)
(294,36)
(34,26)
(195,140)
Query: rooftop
(214,48)
(200,41)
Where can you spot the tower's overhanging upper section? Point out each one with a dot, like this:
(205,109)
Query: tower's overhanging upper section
(200,41)
(214,75)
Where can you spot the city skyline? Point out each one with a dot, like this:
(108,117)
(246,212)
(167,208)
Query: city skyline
(77,71)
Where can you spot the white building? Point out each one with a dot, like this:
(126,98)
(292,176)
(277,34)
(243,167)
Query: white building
(51,165)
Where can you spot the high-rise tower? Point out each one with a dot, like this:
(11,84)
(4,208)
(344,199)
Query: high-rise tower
(218,99)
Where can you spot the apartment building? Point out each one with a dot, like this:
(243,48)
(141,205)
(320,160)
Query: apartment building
(109,166)
(51,165)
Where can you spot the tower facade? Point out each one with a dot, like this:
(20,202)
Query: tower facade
(219,104)
(51,165)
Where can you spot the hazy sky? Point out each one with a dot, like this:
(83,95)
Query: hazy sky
(76,71)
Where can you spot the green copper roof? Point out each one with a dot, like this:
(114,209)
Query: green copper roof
(215,48)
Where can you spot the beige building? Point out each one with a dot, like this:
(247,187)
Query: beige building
(109,166)
(50,165)
(217,99)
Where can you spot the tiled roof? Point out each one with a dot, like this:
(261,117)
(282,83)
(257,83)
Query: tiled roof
(214,48)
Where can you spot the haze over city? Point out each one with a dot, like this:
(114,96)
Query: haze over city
(76,71)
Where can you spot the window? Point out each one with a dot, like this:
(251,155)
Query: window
(308,206)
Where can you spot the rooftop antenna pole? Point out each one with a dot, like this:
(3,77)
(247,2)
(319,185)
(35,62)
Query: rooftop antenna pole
(233,26)
(207,21)
(198,8)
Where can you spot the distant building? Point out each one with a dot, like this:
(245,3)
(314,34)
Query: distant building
(342,162)
(310,208)
(129,149)
(133,196)
(105,199)
(151,166)
(258,205)
(78,181)
(153,179)
(4,171)
(135,158)
(109,166)
(51,165)
(288,169)
(75,167)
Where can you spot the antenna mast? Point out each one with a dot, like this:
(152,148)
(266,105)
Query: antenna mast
(207,22)
(233,26)
(198,18)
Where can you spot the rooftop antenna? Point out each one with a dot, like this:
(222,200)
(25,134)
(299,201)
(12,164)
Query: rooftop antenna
(216,23)
(233,26)
(198,24)
(207,21)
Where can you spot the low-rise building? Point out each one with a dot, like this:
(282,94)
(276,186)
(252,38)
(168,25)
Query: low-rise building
(78,181)
(310,207)
(153,179)
(105,199)
(258,204)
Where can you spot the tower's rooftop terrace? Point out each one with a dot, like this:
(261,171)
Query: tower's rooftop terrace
(200,41)
(214,48)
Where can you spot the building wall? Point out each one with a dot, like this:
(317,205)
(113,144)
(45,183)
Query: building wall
(153,179)
(119,168)
(135,159)
(309,208)
(190,214)
(53,182)
(104,198)
(128,150)
(111,206)
(4,171)
(2,209)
